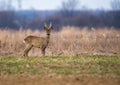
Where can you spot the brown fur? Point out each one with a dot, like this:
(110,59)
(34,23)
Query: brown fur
(38,42)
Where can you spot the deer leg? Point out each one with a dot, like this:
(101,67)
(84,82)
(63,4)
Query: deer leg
(43,51)
(27,49)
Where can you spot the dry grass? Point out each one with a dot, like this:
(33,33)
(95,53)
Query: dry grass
(69,41)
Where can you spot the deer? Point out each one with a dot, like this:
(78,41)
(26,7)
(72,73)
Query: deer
(38,42)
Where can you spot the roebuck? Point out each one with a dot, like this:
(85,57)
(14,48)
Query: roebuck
(38,42)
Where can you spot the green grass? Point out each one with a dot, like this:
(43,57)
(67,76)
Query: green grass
(75,65)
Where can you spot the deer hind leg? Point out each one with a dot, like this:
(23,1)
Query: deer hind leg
(27,49)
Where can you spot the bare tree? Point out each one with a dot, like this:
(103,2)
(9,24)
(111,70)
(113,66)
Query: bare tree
(6,5)
(3,5)
(68,8)
(115,4)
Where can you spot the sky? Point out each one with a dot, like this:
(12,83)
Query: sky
(56,4)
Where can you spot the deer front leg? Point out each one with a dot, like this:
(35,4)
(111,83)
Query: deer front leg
(27,49)
(43,50)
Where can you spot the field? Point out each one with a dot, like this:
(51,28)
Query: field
(74,57)
(77,70)
(70,41)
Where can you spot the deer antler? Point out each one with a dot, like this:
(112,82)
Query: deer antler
(50,25)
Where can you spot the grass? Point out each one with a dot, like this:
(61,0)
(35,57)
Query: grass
(68,41)
(64,65)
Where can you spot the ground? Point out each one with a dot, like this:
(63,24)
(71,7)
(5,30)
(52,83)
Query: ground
(59,80)
(60,70)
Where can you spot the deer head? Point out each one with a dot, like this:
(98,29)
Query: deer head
(48,28)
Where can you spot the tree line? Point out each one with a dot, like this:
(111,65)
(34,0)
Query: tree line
(66,15)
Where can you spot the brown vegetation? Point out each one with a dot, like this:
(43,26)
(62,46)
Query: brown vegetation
(68,41)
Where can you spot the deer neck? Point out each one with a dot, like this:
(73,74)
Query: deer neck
(47,39)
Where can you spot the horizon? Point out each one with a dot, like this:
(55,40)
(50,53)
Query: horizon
(49,5)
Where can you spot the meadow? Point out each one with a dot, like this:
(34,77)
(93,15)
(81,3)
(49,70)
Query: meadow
(65,65)
(74,56)
(70,41)
(60,70)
